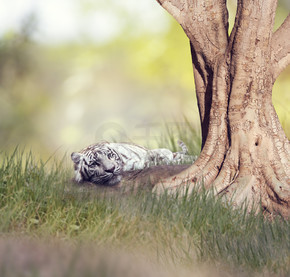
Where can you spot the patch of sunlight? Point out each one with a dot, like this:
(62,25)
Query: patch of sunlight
(281,13)
(70,135)
(232,8)
(281,99)
(101,25)
(74,111)
(76,83)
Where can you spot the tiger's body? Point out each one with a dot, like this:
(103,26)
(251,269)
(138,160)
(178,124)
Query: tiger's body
(104,162)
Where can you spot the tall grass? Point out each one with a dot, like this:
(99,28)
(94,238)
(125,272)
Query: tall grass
(39,199)
(185,131)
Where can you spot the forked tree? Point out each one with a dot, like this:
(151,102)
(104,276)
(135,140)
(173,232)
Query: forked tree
(245,152)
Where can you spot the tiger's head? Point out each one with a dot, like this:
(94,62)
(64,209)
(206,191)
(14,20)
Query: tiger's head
(98,164)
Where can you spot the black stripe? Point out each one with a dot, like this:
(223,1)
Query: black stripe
(85,171)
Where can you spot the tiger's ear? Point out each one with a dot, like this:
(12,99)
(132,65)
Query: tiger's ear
(76,157)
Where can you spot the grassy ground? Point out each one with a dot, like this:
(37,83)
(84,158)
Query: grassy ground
(197,233)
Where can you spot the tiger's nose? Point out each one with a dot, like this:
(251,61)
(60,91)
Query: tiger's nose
(111,169)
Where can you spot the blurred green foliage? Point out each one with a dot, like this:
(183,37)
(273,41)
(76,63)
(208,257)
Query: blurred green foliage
(71,94)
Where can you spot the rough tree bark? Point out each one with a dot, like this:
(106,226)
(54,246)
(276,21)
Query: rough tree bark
(245,152)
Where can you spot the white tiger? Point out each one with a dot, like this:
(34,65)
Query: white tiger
(104,162)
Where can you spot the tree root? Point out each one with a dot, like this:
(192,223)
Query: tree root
(257,186)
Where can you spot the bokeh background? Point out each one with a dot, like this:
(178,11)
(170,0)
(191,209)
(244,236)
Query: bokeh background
(74,72)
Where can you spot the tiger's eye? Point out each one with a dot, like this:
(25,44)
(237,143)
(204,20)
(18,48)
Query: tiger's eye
(111,156)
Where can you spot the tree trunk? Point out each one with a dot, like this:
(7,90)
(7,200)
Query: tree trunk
(245,152)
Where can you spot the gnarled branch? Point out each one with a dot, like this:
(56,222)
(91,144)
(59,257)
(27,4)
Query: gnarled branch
(204,22)
(281,48)
(252,30)
(175,8)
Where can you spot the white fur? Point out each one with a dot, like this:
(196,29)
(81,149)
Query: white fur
(95,162)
